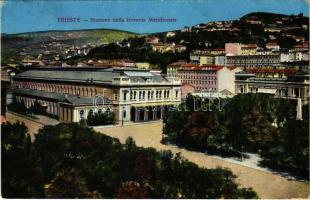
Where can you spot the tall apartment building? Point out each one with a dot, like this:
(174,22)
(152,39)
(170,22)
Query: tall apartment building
(209,78)
(240,49)
(253,61)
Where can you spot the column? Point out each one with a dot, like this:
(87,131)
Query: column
(146,115)
(136,115)
(69,115)
(65,114)
(154,114)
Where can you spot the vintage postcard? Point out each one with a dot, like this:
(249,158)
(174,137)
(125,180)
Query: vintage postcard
(159,99)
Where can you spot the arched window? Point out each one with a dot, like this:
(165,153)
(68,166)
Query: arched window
(91,112)
(81,114)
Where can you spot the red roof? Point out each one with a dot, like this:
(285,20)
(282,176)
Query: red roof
(218,50)
(272,44)
(231,67)
(184,83)
(198,68)
(252,45)
(190,65)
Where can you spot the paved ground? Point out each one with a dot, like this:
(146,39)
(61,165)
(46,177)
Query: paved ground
(266,184)
(33,124)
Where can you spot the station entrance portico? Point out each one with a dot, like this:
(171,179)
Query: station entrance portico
(148,113)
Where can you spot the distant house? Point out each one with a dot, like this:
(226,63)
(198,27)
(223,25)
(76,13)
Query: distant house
(251,21)
(302,47)
(179,48)
(233,48)
(143,65)
(272,45)
(160,47)
(217,51)
(165,47)
(272,29)
(115,63)
(152,40)
(170,34)
(32,63)
(299,38)
(249,49)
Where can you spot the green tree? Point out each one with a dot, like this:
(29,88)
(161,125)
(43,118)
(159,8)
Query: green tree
(69,184)
(21,173)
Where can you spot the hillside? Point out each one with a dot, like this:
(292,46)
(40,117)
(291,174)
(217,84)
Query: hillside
(53,47)
(253,28)
(15,47)
(93,36)
(258,27)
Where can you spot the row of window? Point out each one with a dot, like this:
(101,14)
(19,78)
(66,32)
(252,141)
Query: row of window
(141,95)
(194,82)
(59,88)
(205,88)
(197,77)
(254,61)
(197,72)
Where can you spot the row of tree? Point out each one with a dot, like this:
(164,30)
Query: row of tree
(105,118)
(254,123)
(74,161)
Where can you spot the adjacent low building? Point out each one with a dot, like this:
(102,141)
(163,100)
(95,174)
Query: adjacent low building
(293,86)
(72,94)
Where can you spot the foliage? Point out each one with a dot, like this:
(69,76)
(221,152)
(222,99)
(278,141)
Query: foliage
(96,119)
(255,123)
(21,174)
(137,53)
(131,190)
(69,184)
(77,162)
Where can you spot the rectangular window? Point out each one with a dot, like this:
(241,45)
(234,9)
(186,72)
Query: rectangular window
(124,94)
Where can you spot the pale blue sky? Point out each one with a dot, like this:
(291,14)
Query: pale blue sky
(39,15)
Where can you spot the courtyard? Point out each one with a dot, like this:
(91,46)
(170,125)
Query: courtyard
(266,184)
